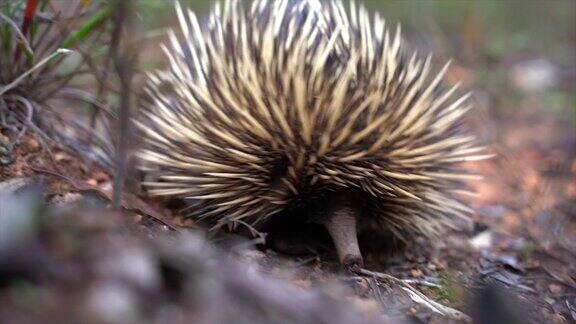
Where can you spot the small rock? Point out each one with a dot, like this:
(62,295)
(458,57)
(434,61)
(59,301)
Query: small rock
(138,218)
(416,273)
(133,265)
(555,289)
(534,75)
(482,241)
(61,157)
(92,182)
(178,220)
(32,144)
(106,186)
(111,303)
(13,185)
(101,177)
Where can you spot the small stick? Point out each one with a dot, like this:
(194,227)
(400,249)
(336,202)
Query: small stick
(123,53)
(128,201)
(417,296)
(408,281)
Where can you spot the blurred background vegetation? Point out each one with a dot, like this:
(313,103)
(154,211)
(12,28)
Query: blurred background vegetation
(506,48)
(503,26)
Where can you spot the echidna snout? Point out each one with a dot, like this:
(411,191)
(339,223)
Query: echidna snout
(275,103)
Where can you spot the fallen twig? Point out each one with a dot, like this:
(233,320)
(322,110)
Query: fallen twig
(417,296)
(123,54)
(377,293)
(421,283)
(408,281)
(128,201)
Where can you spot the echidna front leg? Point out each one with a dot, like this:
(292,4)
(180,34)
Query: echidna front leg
(340,222)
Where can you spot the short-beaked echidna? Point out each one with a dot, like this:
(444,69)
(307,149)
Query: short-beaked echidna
(290,103)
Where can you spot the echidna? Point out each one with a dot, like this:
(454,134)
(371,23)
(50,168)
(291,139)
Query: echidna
(296,103)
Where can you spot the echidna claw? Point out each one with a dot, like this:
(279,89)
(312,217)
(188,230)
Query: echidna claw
(352,263)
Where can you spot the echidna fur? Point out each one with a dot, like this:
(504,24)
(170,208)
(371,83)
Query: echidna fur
(263,107)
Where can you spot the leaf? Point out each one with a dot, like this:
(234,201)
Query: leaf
(86,29)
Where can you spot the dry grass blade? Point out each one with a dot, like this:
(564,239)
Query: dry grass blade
(23,76)
(21,36)
(45,47)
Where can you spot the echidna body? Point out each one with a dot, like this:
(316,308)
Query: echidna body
(273,105)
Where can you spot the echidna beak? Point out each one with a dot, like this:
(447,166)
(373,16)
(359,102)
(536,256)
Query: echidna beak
(341,224)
